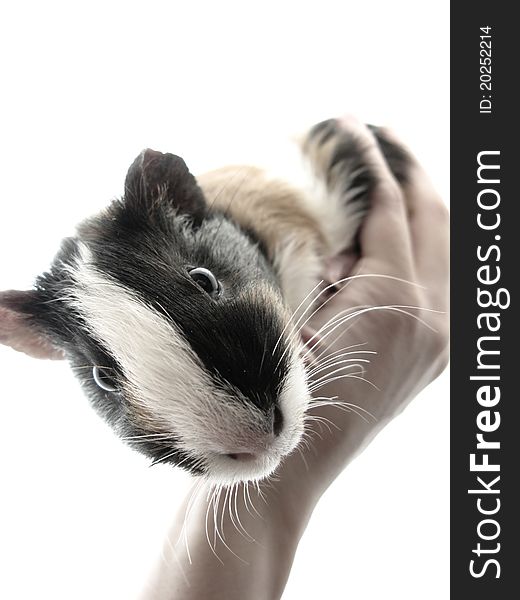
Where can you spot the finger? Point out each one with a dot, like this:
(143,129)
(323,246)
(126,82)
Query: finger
(429,228)
(385,233)
(428,222)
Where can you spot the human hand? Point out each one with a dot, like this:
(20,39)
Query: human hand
(400,284)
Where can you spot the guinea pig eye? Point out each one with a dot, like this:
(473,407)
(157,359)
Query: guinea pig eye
(205,279)
(103,379)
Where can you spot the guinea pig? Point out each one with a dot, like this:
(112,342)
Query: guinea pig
(176,305)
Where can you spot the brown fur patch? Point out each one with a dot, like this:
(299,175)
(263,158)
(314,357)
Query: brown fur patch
(272,209)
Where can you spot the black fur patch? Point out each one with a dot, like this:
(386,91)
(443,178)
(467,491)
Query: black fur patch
(348,151)
(346,164)
(229,334)
(396,156)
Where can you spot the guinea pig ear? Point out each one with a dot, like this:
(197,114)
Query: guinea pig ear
(17,329)
(156,180)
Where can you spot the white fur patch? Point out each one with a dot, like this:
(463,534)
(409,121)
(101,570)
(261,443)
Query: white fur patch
(299,269)
(169,388)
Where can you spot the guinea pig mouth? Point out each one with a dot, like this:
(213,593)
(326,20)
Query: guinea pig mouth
(251,461)
(242,456)
(228,469)
(253,450)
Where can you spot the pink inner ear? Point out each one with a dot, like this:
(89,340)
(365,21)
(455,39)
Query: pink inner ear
(17,333)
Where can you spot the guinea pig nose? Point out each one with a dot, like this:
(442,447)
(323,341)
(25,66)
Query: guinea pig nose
(277,421)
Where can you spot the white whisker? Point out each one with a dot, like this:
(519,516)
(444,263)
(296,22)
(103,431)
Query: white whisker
(334,364)
(294,313)
(350,376)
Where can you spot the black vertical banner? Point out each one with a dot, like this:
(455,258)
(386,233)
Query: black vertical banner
(485,430)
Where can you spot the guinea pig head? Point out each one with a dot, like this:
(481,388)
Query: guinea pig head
(173,321)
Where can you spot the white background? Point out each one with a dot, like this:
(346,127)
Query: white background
(84,89)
